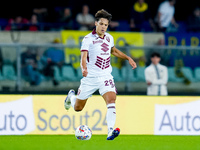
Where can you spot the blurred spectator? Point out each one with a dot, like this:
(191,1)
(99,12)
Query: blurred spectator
(29,67)
(194,21)
(140,17)
(33,25)
(53,57)
(66,18)
(113,25)
(1,60)
(85,20)
(19,23)
(156,76)
(165,16)
(41,13)
(165,53)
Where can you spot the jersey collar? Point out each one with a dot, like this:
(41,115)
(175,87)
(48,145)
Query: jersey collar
(95,34)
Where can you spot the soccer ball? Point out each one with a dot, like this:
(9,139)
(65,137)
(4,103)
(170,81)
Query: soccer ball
(83,132)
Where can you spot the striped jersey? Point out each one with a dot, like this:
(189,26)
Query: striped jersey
(99,50)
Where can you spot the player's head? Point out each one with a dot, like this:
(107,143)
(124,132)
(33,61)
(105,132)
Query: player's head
(140,1)
(102,21)
(85,9)
(155,58)
(197,12)
(172,2)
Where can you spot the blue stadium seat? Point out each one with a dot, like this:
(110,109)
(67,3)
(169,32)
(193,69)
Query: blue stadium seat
(182,27)
(130,74)
(172,76)
(3,23)
(140,73)
(187,71)
(116,74)
(146,27)
(57,74)
(1,77)
(9,72)
(68,73)
(123,26)
(197,73)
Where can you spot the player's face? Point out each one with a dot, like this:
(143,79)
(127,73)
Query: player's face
(155,60)
(101,26)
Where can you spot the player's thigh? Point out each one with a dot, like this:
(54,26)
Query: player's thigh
(80,104)
(109,97)
(107,89)
(86,89)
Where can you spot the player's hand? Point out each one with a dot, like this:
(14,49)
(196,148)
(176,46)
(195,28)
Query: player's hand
(149,83)
(84,72)
(132,63)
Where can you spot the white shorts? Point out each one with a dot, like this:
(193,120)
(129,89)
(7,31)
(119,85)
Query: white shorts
(90,85)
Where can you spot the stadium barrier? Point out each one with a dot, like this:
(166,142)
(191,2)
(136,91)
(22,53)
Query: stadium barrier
(45,114)
(73,56)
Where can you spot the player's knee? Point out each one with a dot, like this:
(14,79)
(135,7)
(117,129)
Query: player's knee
(111,101)
(78,108)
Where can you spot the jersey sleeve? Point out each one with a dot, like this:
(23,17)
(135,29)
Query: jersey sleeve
(112,42)
(85,44)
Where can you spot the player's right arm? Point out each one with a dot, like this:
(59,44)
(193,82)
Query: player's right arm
(84,63)
(84,54)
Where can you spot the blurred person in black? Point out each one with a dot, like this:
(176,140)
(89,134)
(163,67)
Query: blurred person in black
(18,23)
(29,66)
(194,21)
(33,24)
(141,17)
(66,18)
(1,60)
(41,13)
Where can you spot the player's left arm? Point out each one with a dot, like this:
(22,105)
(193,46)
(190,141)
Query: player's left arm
(118,53)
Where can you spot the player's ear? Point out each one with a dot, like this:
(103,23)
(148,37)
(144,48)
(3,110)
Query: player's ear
(96,23)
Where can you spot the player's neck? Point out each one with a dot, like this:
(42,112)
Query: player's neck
(100,35)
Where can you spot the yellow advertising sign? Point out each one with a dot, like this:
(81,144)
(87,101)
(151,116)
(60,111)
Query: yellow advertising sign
(135,114)
(71,38)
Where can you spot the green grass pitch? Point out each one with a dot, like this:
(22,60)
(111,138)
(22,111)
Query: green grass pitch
(99,142)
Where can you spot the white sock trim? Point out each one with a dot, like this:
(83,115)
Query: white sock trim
(111,105)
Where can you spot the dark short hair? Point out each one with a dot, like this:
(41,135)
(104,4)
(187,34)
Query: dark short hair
(103,14)
(155,54)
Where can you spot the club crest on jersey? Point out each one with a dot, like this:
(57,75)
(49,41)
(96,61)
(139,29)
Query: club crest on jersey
(108,39)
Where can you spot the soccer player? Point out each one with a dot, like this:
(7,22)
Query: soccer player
(96,69)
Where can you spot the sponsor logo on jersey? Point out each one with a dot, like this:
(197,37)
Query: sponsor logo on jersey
(102,63)
(105,53)
(104,47)
(99,41)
